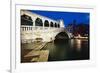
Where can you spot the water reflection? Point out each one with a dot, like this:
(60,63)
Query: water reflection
(73,49)
(72,43)
(78,41)
(78,44)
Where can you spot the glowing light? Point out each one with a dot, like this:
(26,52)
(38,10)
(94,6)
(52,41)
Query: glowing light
(78,44)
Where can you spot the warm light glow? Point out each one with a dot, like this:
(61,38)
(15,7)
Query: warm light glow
(79,35)
(78,44)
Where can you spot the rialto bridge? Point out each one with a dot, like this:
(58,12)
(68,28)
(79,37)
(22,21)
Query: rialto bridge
(37,27)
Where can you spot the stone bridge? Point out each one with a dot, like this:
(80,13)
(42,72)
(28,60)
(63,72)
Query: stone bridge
(35,27)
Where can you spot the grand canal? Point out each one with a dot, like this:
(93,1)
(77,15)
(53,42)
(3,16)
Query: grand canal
(73,49)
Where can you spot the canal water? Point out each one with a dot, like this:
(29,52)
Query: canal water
(73,49)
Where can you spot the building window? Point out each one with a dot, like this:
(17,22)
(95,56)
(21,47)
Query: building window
(46,23)
(55,24)
(38,22)
(26,20)
(51,24)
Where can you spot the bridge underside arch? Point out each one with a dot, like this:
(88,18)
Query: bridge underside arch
(61,37)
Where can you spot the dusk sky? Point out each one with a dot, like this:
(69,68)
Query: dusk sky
(67,17)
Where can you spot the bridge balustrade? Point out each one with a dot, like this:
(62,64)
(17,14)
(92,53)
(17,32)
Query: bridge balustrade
(26,28)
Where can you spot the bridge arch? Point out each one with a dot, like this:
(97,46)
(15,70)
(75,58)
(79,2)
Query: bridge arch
(38,22)
(51,24)
(62,35)
(55,24)
(26,20)
(46,23)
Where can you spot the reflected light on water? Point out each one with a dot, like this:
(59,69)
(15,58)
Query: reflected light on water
(78,44)
(71,43)
(71,50)
(75,43)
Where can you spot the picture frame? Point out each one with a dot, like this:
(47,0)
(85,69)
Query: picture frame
(17,66)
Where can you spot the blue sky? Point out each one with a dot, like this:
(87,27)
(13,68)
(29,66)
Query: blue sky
(67,17)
